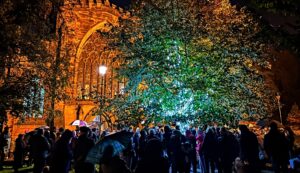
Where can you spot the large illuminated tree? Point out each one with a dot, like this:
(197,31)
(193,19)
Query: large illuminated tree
(191,61)
(33,64)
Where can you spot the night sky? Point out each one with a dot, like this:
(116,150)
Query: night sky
(121,3)
(287,23)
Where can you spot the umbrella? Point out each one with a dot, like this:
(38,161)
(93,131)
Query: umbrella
(119,141)
(266,122)
(97,119)
(78,123)
(123,137)
(44,127)
(93,125)
(263,123)
(279,125)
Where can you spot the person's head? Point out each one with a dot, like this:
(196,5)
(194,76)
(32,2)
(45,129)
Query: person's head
(143,133)
(61,130)
(67,135)
(84,130)
(223,131)
(167,129)
(204,127)
(194,132)
(152,132)
(53,129)
(177,127)
(111,163)
(20,136)
(243,128)
(188,133)
(6,129)
(156,129)
(176,133)
(40,132)
(137,130)
(47,134)
(273,126)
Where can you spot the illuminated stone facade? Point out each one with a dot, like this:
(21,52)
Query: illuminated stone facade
(82,20)
(88,52)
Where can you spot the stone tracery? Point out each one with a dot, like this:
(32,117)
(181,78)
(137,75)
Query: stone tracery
(89,82)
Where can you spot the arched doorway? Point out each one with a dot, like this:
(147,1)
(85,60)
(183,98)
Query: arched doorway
(88,51)
(104,120)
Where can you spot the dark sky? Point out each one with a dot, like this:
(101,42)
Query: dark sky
(286,23)
(121,3)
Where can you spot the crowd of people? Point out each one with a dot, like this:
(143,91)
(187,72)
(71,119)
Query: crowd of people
(158,150)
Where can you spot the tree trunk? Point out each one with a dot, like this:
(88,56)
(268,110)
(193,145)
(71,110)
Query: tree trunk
(2,117)
(54,79)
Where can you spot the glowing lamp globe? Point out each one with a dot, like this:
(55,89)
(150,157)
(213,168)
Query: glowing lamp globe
(102,70)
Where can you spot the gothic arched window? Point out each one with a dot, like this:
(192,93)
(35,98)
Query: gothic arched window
(90,84)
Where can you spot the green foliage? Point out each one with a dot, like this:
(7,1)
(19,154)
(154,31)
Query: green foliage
(193,62)
(28,55)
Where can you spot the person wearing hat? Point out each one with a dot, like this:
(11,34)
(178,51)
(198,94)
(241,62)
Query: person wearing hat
(82,147)
(277,148)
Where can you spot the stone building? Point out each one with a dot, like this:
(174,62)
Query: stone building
(87,52)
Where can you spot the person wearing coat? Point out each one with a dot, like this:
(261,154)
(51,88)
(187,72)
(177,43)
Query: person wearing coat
(249,149)
(154,160)
(82,147)
(19,152)
(39,148)
(277,148)
(62,154)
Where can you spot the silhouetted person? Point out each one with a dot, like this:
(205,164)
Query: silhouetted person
(191,138)
(229,150)
(111,163)
(62,153)
(154,161)
(39,148)
(276,146)
(5,137)
(135,141)
(19,152)
(199,140)
(249,149)
(290,136)
(166,139)
(176,152)
(2,144)
(209,150)
(152,135)
(142,144)
(187,156)
(82,147)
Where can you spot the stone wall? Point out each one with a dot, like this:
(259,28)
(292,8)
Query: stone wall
(81,20)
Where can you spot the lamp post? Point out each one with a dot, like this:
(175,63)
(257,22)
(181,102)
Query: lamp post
(279,106)
(102,71)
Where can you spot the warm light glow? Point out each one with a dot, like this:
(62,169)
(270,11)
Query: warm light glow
(102,70)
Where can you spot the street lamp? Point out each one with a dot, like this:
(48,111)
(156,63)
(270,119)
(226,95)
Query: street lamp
(279,106)
(102,71)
